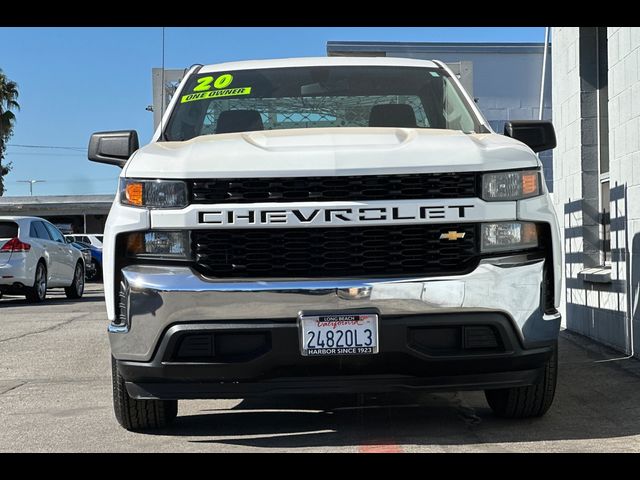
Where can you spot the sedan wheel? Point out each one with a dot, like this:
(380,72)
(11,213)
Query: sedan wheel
(38,292)
(77,287)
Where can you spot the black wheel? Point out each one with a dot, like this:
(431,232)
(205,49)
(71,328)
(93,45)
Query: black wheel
(138,415)
(529,401)
(95,272)
(38,292)
(76,289)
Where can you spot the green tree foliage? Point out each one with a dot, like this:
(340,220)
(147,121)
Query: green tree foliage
(8,102)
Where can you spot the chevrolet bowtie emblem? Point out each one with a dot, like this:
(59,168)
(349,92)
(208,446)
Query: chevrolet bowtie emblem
(452,235)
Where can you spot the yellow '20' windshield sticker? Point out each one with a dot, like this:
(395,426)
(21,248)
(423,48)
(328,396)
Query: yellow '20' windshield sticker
(204,83)
(228,92)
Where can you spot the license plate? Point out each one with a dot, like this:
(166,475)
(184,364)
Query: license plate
(339,334)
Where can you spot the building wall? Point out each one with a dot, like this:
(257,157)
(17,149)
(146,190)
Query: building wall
(71,212)
(624,124)
(566,161)
(601,309)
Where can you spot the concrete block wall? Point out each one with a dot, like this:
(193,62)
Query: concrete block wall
(567,182)
(606,312)
(624,103)
(624,157)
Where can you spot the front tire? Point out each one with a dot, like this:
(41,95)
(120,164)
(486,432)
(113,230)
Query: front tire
(138,415)
(76,289)
(530,401)
(38,292)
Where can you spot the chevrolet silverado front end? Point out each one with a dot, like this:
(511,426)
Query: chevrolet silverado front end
(329,225)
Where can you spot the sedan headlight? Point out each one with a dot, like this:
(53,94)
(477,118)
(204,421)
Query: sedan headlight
(159,244)
(503,236)
(511,185)
(153,193)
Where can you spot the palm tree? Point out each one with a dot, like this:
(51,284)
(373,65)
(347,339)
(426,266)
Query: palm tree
(8,102)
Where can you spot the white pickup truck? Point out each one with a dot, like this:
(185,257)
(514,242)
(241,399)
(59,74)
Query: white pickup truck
(329,225)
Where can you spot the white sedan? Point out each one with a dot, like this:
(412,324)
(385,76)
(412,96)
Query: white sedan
(34,257)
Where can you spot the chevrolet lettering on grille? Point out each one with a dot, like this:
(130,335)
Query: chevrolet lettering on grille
(330,215)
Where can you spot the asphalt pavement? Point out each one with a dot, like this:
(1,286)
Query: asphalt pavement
(55,396)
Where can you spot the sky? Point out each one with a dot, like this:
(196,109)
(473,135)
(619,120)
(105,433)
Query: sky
(76,81)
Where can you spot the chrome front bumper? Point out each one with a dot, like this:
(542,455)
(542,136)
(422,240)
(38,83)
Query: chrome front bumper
(158,296)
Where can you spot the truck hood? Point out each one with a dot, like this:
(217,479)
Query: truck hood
(327,152)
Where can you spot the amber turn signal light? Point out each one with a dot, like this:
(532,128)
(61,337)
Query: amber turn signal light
(135,243)
(529,233)
(133,193)
(529,183)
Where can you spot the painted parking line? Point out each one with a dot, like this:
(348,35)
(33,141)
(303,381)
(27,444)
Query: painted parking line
(385,448)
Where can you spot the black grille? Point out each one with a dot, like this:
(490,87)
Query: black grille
(480,337)
(370,187)
(455,339)
(335,252)
(221,347)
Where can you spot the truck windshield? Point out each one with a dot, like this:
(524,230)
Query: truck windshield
(315,97)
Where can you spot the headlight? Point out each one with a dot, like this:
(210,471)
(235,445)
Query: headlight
(497,237)
(510,185)
(160,244)
(153,193)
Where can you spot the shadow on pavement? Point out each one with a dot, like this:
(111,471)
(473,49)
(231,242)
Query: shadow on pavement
(55,297)
(596,398)
(49,301)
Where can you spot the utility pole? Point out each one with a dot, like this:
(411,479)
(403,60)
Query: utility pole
(31,182)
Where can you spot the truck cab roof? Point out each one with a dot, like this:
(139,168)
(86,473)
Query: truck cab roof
(318,61)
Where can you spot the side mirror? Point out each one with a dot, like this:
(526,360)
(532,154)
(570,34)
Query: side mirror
(538,135)
(69,240)
(113,148)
